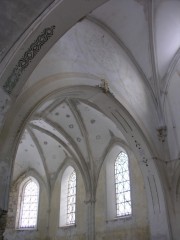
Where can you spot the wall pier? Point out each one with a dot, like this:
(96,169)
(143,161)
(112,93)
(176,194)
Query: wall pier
(90,220)
(3,219)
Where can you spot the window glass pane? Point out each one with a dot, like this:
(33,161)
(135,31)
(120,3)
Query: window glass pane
(122,185)
(29,205)
(71,199)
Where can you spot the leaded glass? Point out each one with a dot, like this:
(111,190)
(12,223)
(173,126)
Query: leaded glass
(71,199)
(29,205)
(122,185)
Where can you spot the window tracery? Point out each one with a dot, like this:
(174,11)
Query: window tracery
(71,199)
(67,215)
(122,185)
(29,198)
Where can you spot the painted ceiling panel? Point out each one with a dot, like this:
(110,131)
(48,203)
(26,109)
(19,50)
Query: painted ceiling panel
(173,115)
(56,129)
(43,124)
(28,157)
(53,152)
(128,19)
(100,130)
(167,34)
(67,118)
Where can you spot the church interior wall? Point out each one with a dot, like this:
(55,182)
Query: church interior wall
(136,225)
(109,71)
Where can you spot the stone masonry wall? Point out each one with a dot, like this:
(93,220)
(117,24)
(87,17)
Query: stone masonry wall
(3,218)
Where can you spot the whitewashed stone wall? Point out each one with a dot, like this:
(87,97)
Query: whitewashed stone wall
(135,227)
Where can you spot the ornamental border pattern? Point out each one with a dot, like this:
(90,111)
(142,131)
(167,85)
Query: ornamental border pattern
(28,56)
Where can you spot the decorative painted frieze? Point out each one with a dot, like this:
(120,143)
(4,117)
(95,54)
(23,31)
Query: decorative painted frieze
(28,56)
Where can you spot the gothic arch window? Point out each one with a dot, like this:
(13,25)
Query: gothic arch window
(68,197)
(28,204)
(71,199)
(122,185)
(118,184)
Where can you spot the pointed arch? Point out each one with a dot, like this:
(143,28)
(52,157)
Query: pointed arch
(122,185)
(71,199)
(118,187)
(68,198)
(27,212)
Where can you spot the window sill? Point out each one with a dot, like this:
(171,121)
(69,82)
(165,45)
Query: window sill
(122,219)
(26,229)
(68,226)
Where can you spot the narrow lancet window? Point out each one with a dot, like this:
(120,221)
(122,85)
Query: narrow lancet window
(71,199)
(122,185)
(29,199)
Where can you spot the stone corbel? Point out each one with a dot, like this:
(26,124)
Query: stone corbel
(104,85)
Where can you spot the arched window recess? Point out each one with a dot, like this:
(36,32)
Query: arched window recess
(118,185)
(68,198)
(122,185)
(27,212)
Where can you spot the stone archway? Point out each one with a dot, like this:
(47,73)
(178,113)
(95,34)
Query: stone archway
(109,106)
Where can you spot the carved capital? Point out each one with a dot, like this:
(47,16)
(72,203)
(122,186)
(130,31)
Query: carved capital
(91,201)
(104,85)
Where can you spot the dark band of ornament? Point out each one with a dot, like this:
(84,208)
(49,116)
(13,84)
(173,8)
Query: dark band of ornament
(23,63)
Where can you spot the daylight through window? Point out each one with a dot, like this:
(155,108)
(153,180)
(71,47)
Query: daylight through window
(29,205)
(71,199)
(122,185)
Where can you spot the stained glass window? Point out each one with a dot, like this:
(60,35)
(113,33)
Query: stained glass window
(122,185)
(29,205)
(71,199)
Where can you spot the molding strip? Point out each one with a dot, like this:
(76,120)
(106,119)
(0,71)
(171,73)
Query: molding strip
(28,56)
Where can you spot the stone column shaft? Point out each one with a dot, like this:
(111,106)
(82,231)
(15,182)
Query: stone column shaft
(90,220)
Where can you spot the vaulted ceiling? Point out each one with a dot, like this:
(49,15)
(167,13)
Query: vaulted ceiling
(131,44)
(65,129)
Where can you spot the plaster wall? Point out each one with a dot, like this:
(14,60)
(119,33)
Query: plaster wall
(77,231)
(134,227)
(127,228)
(12,232)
